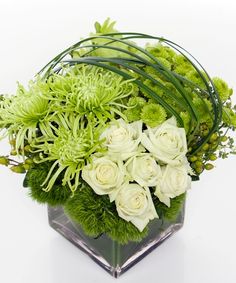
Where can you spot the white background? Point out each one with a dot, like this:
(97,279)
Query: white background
(31,32)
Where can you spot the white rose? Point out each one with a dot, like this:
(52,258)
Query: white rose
(175,181)
(134,204)
(122,139)
(144,170)
(166,142)
(104,176)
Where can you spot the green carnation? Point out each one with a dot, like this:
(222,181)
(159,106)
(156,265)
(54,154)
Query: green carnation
(153,114)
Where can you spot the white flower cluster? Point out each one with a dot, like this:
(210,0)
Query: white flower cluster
(137,160)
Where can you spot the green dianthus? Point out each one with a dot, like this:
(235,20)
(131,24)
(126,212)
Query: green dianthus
(34,179)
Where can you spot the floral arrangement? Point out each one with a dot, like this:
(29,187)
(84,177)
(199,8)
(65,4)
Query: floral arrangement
(115,132)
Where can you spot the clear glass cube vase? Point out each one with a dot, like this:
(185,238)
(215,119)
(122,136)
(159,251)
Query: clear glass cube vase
(112,256)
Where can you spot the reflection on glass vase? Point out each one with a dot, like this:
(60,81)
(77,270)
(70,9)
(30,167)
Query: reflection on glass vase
(112,256)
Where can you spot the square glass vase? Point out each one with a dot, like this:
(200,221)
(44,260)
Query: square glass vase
(115,258)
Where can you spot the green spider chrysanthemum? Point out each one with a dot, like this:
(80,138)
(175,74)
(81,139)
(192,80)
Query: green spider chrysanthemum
(69,144)
(86,89)
(153,114)
(21,113)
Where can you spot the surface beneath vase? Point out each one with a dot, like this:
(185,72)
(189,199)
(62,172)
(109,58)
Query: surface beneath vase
(112,256)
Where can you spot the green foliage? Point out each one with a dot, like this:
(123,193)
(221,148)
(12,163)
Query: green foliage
(34,179)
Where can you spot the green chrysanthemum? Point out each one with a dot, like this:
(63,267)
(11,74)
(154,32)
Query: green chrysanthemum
(204,108)
(21,113)
(223,89)
(195,77)
(135,104)
(229,117)
(69,144)
(160,51)
(186,120)
(153,114)
(86,89)
(182,65)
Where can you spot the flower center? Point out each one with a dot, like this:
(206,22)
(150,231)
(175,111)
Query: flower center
(105,173)
(118,136)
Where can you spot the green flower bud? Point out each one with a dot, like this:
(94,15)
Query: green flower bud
(4,160)
(213,138)
(29,161)
(193,158)
(224,139)
(17,169)
(205,147)
(209,166)
(214,145)
(12,142)
(205,133)
(26,166)
(198,170)
(212,157)
(13,152)
(27,148)
(198,164)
